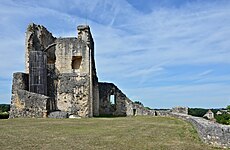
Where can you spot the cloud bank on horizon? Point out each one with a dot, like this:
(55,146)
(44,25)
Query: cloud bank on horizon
(163,53)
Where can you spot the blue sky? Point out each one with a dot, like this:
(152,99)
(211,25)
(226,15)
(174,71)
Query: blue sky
(163,53)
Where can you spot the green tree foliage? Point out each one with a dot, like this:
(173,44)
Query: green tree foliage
(4,107)
(198,112)
(223,118)
(148,108)
(228,107)
(138,102)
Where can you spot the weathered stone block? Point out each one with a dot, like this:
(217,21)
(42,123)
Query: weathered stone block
(58,114)
(28,104)
(20,81)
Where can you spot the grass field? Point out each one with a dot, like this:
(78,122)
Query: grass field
(124,133)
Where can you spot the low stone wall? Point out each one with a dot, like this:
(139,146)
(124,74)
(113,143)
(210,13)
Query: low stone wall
(163,113)
(179,109)
(141,110)
(28,104)
(210,132)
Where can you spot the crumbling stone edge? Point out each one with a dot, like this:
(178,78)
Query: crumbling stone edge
(210,132)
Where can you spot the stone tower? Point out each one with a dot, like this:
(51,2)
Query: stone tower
(60,73)
(77,87)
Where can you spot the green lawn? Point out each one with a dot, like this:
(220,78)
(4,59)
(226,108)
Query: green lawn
(138,133)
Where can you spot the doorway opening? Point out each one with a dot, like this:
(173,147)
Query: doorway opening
(134,112)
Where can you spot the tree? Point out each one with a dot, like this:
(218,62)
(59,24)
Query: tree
(228,107)
(223,119)
(199,112)
(4,107)
(138,102)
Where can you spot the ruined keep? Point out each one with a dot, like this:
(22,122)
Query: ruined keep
(60,80)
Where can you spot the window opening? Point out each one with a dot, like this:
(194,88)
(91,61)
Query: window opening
(112,99)
(76,62)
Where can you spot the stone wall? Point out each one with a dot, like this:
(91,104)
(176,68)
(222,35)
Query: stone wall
(38,38)
(141,110)
(28,104)
(62,72)
(73,94)
(66,49)
(122,106)
(163,113)
(72,84)
(20,81)
(210,132)
(106,107)
(179,109)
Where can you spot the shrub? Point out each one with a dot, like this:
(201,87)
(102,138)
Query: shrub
(4,115)
(223,119)
(138,102)
(228,107)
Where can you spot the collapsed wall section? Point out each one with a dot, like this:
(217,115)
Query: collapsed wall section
(23,102)
(29,105)
(119,105)
(37,40)
(29,90)
(107,107)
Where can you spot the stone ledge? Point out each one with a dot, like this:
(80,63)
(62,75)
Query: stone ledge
(212,133)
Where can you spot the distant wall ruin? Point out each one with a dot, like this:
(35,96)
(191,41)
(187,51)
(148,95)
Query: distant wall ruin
(122,105)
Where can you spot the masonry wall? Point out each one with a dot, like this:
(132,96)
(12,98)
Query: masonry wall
(123,106)
(210,132)
(29,105)
(73,84)
(38,38)
(85,35)
(25,103)
(62,72)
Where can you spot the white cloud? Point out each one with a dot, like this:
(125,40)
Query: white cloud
(133,49)
(201,95)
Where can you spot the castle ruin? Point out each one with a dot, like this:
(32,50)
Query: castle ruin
(60,80)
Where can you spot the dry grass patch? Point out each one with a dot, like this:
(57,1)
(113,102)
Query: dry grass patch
(100,133)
